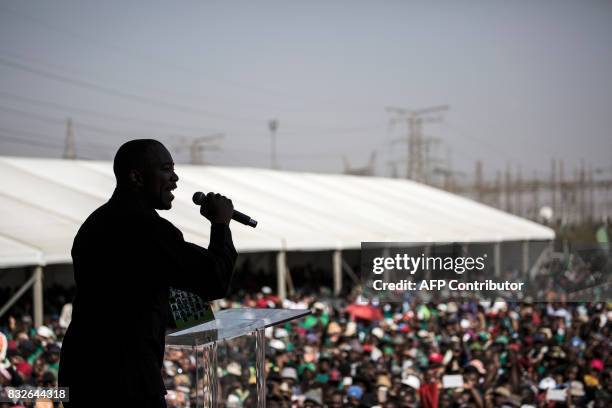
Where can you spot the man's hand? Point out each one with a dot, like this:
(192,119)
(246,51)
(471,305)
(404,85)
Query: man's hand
(217,209)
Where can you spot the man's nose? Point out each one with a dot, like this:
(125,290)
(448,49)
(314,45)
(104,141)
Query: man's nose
(175,177)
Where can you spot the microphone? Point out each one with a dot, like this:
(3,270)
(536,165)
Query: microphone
(199,198)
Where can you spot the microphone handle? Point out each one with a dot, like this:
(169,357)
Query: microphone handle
(244,219)
(199,198)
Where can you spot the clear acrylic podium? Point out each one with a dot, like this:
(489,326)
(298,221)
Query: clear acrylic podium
(229,324)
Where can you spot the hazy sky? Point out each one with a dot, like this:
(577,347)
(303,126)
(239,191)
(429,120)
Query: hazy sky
(525,81)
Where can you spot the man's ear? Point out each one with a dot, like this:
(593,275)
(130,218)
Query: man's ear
(135,178)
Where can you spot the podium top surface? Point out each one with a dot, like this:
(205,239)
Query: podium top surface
(231,323)
(270,317)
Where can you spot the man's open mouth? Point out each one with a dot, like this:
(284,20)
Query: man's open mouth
(169,190)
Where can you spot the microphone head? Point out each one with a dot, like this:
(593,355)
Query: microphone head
(198,197)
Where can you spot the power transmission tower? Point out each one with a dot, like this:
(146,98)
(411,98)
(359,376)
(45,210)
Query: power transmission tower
(591,189)
(518,192)
(417,145)
(536,196)
(581,198)
(478,182)
(394,172)
(554,185)
(563,192)
(69,143)
(179,145)
(367,170)
(582,192)
(508,189)
(273,126)
(202,144)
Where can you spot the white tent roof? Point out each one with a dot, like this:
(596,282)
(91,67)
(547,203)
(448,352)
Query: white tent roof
(44,201)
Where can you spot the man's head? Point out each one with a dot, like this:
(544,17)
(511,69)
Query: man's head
(145,168)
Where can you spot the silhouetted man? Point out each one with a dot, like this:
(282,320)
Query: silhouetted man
(125,258)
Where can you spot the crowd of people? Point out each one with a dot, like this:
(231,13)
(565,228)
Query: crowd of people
(409,354)
(469,354)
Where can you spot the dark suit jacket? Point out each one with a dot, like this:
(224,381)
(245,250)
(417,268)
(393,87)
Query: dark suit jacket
(125,259)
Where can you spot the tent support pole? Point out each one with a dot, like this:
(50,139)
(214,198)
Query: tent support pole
(497,259)
(37,295)
(350,272)
(337,266)
(281,266)
(18,294)
(525,254)
(427,253)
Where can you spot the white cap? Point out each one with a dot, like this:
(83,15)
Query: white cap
(378,332)
(318,306)
(289,373)
(412,381)
(280,332)
(277,344)
(234,368)
(547,383)
(375,354)
(44,331)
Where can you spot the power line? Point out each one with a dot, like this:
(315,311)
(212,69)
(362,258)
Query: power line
(122,82)
(312,155)
(44,138)
(229,152)
(42,143)
(85,126)
(136,54)
(72,110)
(417,145)
(49,119)
(117,93)
(163,104)
(64,69)
(42,118)
(480,142)
(285,155)
(22,141)
(351,129)
(242,157)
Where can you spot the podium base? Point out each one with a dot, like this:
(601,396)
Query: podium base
(229,324)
